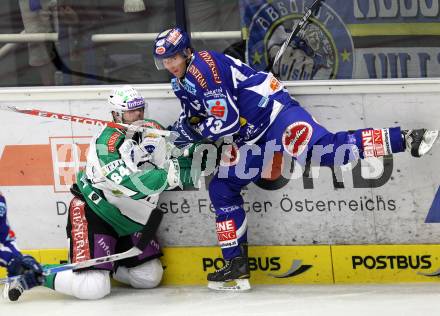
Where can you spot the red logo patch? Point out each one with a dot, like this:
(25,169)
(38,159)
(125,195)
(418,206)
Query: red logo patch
(226,230)
(373,143)
(218,110)
(160,50)
(112,141)
(296,138)
(80,231)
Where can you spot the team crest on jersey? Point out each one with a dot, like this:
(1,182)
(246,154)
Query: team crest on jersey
(218,108)
(326,52)
(296,138)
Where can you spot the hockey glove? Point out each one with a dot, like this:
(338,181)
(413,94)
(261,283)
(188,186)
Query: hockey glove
(28,268)
(187,134)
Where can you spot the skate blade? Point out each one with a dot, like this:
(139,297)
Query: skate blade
(429,139)
(5,293)
(238,285)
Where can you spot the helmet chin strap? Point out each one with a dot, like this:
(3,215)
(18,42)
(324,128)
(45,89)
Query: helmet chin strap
(188,61)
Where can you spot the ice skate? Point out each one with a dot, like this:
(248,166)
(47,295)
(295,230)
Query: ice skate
(234,276)
(12,291)
(419,141)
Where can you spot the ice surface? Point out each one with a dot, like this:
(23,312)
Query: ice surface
(327,300)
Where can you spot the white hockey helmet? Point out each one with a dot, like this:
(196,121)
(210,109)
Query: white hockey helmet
(125,98)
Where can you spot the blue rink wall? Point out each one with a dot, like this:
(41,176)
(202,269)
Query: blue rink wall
(374,204)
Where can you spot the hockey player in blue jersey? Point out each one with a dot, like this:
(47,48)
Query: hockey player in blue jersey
(14,261)
(223,97)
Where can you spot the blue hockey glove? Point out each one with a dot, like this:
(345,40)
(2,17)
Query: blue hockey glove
(29,268)
(187,134)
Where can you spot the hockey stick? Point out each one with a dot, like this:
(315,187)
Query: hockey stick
(148,233)
(298,27)
(84,120)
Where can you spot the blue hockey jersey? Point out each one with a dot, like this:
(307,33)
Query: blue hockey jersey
(222,96)
(8,249)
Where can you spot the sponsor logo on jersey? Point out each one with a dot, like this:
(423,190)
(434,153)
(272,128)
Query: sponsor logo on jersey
(215,93)
(211,63)
(189,86)
(393,262)
(376,142)
(80,232)
(218,108)
(174,37)
(160,50)
(112,166)
(112,141)
(227,233)
(193,70)
(175,85)
(263,102)
(327,51)
(274,84)
(296,138)
(229,209)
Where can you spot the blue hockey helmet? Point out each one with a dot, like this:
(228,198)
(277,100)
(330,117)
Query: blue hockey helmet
(169,43)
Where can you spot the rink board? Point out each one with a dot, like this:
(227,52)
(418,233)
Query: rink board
(298,264)
(386,263)
(383,201)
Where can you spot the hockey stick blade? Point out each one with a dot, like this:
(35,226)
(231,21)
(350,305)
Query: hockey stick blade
(84,264)
(298,27)
(147,234)
(83,120)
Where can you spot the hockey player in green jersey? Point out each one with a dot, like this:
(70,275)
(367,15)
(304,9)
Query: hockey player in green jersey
(113,199)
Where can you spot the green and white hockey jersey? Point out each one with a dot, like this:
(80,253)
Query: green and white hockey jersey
(121,197)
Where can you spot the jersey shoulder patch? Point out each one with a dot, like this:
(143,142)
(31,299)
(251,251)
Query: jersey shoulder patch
(110,137)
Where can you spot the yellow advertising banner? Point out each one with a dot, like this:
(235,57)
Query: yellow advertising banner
(386,263)
(296,264)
